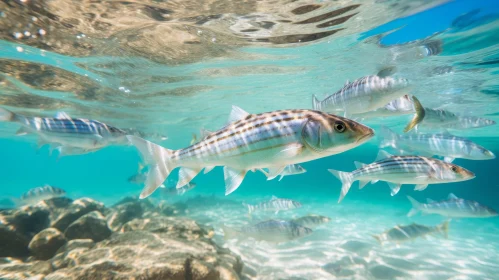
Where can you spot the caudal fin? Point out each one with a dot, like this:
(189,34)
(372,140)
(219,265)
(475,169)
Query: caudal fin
(316,103)
(159,161)
(388,138)
(418,116)
(346,179)
(416,207)
(6,115)
(443,228)
(229,233)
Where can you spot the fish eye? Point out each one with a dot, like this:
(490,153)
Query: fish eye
(453,168)
(339,126)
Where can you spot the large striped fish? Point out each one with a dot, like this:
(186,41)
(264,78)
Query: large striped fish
(74,136)
(362,95)
(452,207)
(252,141)
(443,144)
(398,170)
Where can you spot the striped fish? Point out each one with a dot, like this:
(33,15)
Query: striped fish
(452,207)
(400,234)
(78,135)
(276,231)
(362,95)
(275,205)
(41,193)
(311,221)
(443,144)
(398,170)
(253,141)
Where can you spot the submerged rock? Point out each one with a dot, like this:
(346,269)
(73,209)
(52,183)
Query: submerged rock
(92,226)
(177,227)
(27,220)
(74,211)
(124,213)
(13,243)
(16,270)
(77,243)
(45,244)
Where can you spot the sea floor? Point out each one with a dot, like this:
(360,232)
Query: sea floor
(345,248)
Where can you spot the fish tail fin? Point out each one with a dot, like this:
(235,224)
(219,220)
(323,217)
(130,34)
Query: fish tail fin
(6,115)
(416,207)
(388,138)
(443,228)
(160,161)
(229,233)
(418,116)
(346,180)
(316,103)
(378,238)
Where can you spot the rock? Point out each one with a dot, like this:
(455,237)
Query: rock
(178,227)
(147,255)
(92,226)
(124,213)
(167,209)
(27,220)
(76,243)
(19,270)
(45,244)
(146,204)
(13,243)
(74,211)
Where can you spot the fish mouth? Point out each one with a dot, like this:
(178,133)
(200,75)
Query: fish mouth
(365,137)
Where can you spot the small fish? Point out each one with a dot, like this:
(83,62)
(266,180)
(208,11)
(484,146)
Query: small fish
(41,193)
(276,231)
(174,191)
(443,144)
(270,140)
(274,204)
(311,221)
(363,95)
(452,207)
(77,134)
(410,232)
(398,170)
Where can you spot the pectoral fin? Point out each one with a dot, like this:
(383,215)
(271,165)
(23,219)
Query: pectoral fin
(274,172)
(290,151)
(394,187)
(233,178)
(208,169)
(420,187)
(22,131)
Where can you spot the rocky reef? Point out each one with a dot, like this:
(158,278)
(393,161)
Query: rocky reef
(134,239)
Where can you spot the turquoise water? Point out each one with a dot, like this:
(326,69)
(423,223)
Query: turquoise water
(178,96)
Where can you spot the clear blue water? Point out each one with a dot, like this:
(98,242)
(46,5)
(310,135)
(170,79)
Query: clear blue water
(178,98)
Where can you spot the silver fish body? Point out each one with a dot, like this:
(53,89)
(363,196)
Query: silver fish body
(41,193)
(398,107)
(453,207)
(64,131)
(443,119)
(363,95)
(270,140)
(398,170)
(443,144)
(400,234)
(311,221)
(275,231)
(274,205)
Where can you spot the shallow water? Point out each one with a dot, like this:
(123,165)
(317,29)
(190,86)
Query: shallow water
(171,68)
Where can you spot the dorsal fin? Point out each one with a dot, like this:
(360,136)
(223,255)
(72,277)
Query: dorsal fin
(274,197)
(452,196)
(237,114)
(205,132)
(382,155)
(62,115)
(359,164)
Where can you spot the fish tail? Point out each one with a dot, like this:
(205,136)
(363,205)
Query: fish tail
(6,115)
(418,116)
(416,207)
(316,103)
(378,238)
(346,180)
(388,138)
(229,233)
(160,161)
(444,228)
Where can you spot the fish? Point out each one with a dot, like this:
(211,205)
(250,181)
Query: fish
(76,135)
(311,221)
(274,204)
(138,178)
(275,231)
(441,144)
(452,207)
(400,234)
(291,169)
(174,191)
(398,170)
(41,193)
(270,140)
(397,107)
(362,95)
